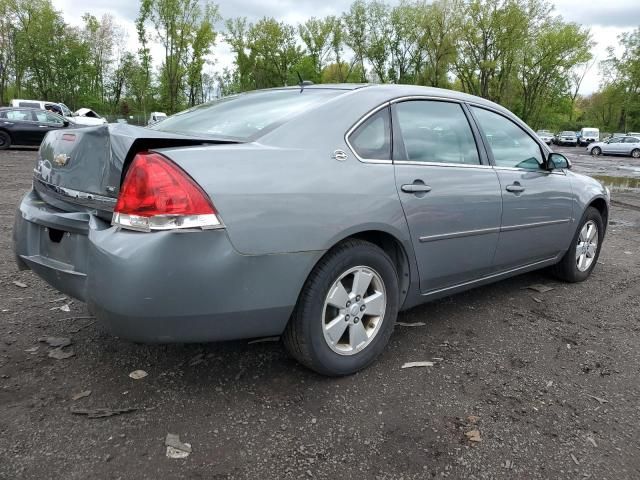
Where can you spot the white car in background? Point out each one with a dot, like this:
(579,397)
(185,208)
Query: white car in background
(626,145)
(545,135)
(86,116)
(156,117)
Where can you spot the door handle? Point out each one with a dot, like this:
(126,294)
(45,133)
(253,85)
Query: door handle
(416,188)
(515,188)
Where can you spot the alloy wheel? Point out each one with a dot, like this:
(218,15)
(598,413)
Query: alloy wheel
(354,310)
(596,151)
(587,246)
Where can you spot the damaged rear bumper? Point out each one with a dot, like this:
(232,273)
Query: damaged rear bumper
(171,286)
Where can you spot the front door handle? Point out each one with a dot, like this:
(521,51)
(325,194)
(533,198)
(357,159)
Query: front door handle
(515,188)
(416,188)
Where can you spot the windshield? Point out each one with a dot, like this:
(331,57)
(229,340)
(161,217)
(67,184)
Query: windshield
(568,134)
(543,132)
(65,110)
(244,116)
(590,132)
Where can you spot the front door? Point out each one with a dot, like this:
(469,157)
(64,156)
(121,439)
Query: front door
(537,204)
(451,200)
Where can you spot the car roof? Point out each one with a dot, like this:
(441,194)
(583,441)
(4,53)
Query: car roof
(397,91)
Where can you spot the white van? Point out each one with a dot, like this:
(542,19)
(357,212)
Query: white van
(61,109)
(589,135)
(156,117)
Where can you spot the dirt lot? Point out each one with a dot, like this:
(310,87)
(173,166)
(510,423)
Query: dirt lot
(551,382)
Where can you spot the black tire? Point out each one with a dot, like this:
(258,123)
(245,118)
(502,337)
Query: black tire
(304,336)
(635,153)
(567,268)
(596,151)
(5,140)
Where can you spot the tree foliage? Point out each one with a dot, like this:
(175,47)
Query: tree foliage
(518,53)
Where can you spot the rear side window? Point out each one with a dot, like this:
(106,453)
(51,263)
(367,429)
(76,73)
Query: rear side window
(372,139)
(245,116)
(435,132)
(510,145)
(19,115)
(631,140)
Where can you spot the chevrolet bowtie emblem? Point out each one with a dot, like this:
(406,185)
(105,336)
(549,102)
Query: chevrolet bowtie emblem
(61,159)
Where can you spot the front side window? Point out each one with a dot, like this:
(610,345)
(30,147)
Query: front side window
(511,146)
(435,132)
(372,139)
(46,117)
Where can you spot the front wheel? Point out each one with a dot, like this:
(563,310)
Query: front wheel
(596,151)
(635,153)
(581,258)
(346,311)
(5,140)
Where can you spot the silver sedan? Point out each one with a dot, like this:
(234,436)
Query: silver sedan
(314,212)
(626,145)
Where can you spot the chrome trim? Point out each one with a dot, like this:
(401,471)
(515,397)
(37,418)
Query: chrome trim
(467,233)
(489,277)
(529,170)
(485,231)
(440,164)
(525,226)
(356,125)
(86,199)
(409,98)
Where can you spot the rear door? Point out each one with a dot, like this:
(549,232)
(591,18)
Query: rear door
(630,144)
(537,204)
(21,125)
(450,196)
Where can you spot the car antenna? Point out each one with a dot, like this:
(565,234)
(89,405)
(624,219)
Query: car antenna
(303,83)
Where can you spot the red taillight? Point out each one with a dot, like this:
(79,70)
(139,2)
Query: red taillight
(158,195)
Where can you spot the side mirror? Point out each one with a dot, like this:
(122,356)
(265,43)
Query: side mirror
(66,123)
(557,161)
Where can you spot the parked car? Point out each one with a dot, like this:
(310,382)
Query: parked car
(156,117)
(86,116)
(298,222)
(589,135)
(567,138)
(27,126)
(616,146)
(80,117)
(545,135)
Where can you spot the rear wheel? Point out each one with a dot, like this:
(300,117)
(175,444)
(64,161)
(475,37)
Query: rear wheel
(635,153)
(581,258)
(596,151)
(5,140)
(346,311)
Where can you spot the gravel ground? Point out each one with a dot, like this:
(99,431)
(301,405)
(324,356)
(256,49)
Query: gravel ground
(547,382)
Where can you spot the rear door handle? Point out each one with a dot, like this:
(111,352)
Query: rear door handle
(515,188)
(416,188)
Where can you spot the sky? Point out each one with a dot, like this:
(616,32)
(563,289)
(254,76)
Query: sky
(605,20)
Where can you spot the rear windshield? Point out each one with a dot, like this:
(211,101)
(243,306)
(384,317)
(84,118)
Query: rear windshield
(245,116)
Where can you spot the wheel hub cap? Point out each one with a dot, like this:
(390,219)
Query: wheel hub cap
(354,310)
(587,246)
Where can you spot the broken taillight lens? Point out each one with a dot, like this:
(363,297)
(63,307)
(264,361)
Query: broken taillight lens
(158,195)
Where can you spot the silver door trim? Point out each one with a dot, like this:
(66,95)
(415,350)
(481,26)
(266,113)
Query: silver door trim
(466,233)
(441,164)
(524,226)
(489,277)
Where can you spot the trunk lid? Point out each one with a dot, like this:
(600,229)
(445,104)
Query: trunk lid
(85,166)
